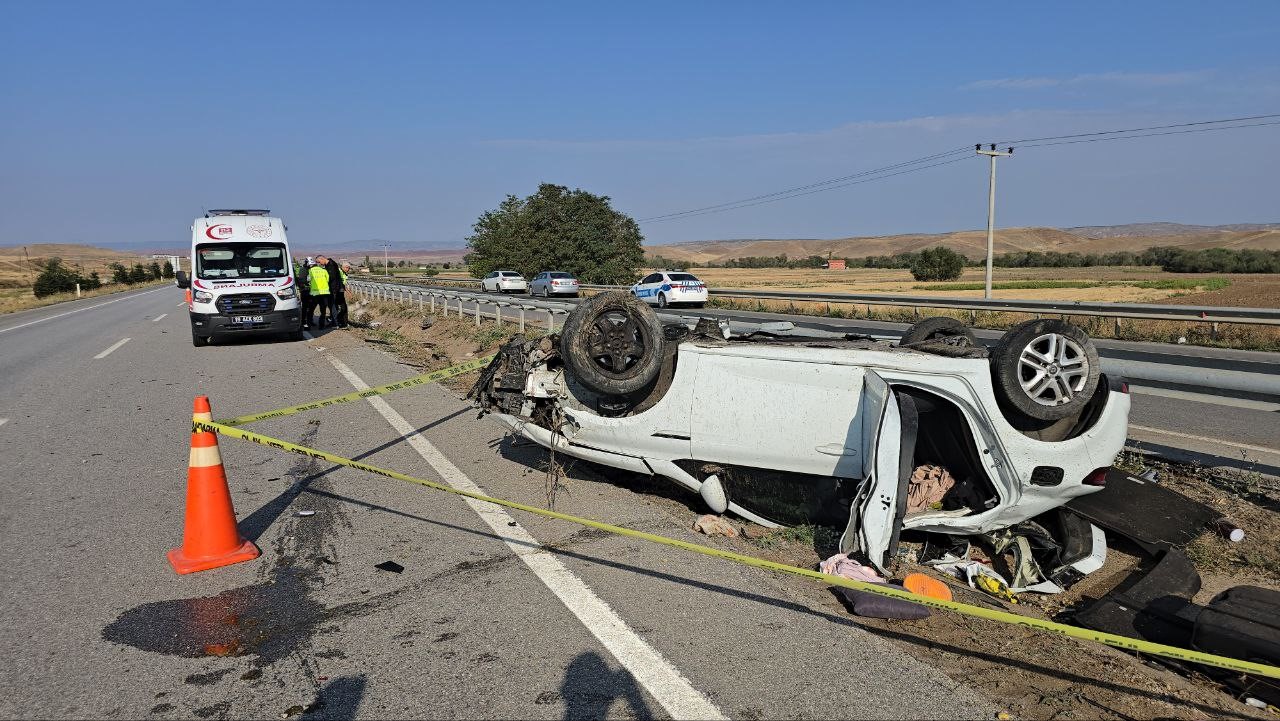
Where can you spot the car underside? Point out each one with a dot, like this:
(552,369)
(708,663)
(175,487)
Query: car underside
(787,427)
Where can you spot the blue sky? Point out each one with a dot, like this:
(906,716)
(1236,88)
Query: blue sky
(405,121)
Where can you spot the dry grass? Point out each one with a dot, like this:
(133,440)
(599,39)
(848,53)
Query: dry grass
(16,299)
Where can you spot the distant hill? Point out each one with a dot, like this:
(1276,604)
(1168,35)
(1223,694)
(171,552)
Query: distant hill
(973,243)
(1145,230)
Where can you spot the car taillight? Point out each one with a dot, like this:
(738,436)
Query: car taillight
(1098,477)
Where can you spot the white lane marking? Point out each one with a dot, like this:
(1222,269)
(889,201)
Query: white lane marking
(153,320)
(77,310)
(108,351)
(654,672)
(1188,436)
(182,304)
(1206,398)
(3,421)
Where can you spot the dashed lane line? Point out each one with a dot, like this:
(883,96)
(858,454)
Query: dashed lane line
(654,672)
(162,315)
(109,351)
(77,310)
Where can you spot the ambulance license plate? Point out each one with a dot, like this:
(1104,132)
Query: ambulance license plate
(246,319)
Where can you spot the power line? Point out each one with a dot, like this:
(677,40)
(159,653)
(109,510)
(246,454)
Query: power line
(691,214)
(1137,130)
(1147,135)
(864,173)
(881,173)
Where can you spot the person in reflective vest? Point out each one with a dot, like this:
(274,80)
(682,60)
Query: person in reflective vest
(319,276)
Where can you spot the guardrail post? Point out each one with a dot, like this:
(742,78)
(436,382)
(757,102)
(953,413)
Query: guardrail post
(521,319)
(497,314)
(433,302)
(1117,331)
(973,317)
(477,314)
(1213,334)
(421,302)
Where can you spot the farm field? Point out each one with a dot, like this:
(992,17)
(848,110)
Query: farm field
(1127,284)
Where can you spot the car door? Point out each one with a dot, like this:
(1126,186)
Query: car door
(875,516)
(647,288)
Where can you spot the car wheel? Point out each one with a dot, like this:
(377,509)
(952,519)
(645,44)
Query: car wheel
(697,305)
(199,341)
(941,329)
(1045,369)
(662,300)
(612,343)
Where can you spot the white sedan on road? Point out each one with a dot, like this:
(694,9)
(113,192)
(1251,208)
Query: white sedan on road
(504,281)
(666,287)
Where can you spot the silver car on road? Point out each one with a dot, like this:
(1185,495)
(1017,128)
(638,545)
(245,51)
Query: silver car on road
(553,282)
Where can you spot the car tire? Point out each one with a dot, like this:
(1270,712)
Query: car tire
(612,343)
(200,341)
(662,300)
(1045,369)
(942,329)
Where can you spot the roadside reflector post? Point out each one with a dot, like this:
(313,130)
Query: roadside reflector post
(421,301)
(477,314)
(78,292)
(497,315)
(521,319)
(433,302)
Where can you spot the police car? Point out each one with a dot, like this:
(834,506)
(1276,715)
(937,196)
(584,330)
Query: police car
(667,287)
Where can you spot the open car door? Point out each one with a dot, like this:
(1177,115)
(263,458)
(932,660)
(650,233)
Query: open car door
(890,425)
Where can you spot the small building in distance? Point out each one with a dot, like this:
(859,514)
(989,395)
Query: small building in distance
(834,264)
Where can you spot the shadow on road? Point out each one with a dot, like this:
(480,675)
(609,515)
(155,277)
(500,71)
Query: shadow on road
(590,687)
(255,524)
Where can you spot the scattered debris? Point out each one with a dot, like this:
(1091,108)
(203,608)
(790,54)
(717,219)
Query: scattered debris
(928,486)
(754,532)
(304,514)
(391,566)
(715,526)
(427,322)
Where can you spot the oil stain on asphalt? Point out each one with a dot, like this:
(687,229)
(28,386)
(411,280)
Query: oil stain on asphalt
(271,619)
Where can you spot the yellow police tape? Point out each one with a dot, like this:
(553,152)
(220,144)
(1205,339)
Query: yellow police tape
(1124,642)
(424,379)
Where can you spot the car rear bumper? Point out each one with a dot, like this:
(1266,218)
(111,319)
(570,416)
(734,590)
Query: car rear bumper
(216,324)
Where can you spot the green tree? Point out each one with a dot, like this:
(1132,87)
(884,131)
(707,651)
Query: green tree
(154,269)
(367,263)
(430,271)
(166,271)
(557,229)
(139,274)
(55,278)
(93,282)
(119,273)
(940,263)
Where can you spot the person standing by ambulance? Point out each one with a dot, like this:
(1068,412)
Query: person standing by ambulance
(337,290)
(319,276)
(303,279)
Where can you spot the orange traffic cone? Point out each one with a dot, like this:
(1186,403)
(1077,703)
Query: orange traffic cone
(210,538)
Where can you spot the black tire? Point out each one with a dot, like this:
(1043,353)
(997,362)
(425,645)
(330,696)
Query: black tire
(662,300)
(612,343)
(199,341)
(1045,369)
(942,329)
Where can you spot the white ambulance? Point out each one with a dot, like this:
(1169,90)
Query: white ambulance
(241,277)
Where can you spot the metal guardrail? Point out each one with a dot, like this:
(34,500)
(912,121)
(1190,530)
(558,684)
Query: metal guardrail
(1207,380)
(1140,311)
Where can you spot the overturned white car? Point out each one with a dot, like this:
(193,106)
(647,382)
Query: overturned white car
(781,428)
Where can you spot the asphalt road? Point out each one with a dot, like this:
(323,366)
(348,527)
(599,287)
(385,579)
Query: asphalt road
(484,621)
(1175,421)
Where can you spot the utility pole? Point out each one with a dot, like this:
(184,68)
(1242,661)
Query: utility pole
(991,206)
(30,276)
(386,264)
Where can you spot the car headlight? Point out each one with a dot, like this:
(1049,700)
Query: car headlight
(285,293)
(201,296)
